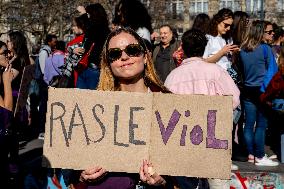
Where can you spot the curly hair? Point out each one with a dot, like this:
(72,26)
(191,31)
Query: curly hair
(108,82)
(222,15)
(132,13)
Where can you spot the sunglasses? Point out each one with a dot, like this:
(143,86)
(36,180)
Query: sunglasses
(132,50)
(6,52)
(269,32)
(226,25)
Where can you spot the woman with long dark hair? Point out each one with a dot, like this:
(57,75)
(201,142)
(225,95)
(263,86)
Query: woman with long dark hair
(240,24)
(74,48)
(17,44)
(133,14)
(201,23)
(219,46)
(95,36)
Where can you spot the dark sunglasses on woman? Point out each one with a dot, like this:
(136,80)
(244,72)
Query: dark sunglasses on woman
(132,50)
(269,32)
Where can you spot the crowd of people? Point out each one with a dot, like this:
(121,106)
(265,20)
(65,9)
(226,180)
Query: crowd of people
(228,54)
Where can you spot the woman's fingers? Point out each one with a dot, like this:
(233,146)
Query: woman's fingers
(79,50)
(156,180)
(148,174)
(92,174)
(92,170)
(8,67)
(143,177)
(95,175)
(8,74)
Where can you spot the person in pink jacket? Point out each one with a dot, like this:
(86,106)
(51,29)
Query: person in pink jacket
(195,76)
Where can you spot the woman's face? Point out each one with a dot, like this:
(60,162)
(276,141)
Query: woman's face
(3,57)
(268,34)
(224,26)
(126,67)
(75,29)
(2,49)
(10,44)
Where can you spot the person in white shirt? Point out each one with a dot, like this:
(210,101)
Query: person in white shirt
(45,51)
(219,47)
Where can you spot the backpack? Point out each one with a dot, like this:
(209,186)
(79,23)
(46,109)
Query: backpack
(37,83)
(38,72)
(271,67)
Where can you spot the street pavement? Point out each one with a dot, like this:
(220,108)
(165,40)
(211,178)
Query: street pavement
(31,156)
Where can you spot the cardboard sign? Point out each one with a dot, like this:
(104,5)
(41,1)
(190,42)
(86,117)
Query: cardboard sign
(181,135)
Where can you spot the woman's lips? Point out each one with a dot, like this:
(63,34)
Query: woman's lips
(126,65)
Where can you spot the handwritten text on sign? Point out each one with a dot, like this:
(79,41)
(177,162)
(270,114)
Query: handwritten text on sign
(117,130)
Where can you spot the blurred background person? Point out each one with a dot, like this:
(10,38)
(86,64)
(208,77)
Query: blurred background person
(162,54)
(133,14)
(273,98)
(54,62)
(268,33)
(6,114)
(255,55)
(201,23)
(74,49)
(278,39)
(94,39)
(17,44)
(239,26)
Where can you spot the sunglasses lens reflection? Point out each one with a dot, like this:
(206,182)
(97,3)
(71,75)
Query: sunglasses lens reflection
(131,50)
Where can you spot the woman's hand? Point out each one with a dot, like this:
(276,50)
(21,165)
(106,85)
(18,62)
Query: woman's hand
(7,80)
(229,48)
(8,75)
(92,174)
(149,176)
(79,51)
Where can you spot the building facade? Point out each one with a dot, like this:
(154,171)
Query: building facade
(180,13)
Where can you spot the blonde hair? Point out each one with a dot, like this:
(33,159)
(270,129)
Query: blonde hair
(253,36)
(108,82)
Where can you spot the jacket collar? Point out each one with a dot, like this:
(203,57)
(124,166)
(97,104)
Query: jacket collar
(192,59)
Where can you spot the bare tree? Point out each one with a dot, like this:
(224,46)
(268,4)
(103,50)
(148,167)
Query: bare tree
(39,17)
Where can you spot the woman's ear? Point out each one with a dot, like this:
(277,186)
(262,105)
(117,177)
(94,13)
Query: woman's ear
(145,59)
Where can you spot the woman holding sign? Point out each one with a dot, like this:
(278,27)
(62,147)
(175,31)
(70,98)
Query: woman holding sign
(126,66)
